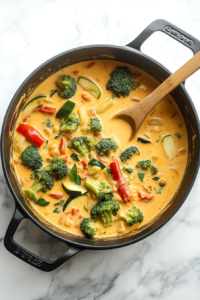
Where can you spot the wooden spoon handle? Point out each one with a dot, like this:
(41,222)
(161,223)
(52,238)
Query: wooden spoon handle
(170,83)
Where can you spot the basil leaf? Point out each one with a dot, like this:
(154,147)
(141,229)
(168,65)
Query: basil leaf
(58,135)
(159,191)
(68,201)
(78,180)
(85,208)
(46,144)
(56,210)
(73,173)
(156,178)
(42,202)
(74,157)
(61,203)
(129,169)
(141,176)
(52,92)
(95,162)
(48,123)
(108,171)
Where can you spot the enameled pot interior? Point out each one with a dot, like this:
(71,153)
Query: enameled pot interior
(126,55)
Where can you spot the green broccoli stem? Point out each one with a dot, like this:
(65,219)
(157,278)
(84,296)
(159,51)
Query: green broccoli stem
(47,169)
(37,186)
(107,218)
(125,215)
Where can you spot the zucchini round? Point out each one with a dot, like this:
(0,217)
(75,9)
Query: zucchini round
(90,86)
(34,103)
(74,190)
(72,201)
(169,146)
(66,109)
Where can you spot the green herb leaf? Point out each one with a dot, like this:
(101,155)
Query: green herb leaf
(141,176)
(159,191)
(46,144)
(61,203)
(129,169)
(58,135)
(68,201)
(73,173)
(56,210)
(104,232)
(42,202)
(39,106)
(52,92)
(95,162)
(74,157)
(48,123)
(78,180)
(108,171)
(156,178)
(85,208)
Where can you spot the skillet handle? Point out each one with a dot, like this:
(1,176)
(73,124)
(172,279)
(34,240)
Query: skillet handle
(168,28)
(27,256)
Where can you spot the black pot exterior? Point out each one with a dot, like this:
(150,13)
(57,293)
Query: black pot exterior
(123,54)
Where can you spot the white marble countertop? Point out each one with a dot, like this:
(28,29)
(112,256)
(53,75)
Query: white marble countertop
(166,265)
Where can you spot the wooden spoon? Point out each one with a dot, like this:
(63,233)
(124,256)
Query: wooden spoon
(135,115)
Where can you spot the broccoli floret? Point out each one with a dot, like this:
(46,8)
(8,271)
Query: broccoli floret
(121,82)
(30,157)
(43,182)
(144,164)
(104,211)
(154,170)
(105,146)
(88,228)
(57,168)
(93,126)
(83,144)
(70,123)
(68,86)
(128,153)
(101,189)
(132,216)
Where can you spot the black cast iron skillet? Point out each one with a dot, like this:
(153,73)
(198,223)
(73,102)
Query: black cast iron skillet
(130,54)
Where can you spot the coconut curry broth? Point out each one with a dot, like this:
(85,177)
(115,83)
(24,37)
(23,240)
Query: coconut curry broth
(171,170)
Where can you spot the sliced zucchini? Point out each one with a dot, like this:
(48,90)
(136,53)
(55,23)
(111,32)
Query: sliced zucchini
(74,190)
(30,195)
(169,146)
(72,201)
(143,140)
(66,109)
(90,86)
(34,103)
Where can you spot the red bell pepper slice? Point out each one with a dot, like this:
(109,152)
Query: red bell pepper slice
(47,109)
(62,147)
(144,196)
(122,185)
(32,134)
(65,159)
(56,195)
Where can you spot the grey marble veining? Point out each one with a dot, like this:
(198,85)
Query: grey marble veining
(164,266)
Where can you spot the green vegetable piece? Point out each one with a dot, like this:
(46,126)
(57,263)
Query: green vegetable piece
(68,86)
(162,183)
(74,157)
(105,146)
(178,135)
(93,126)
(42,202)
(72,201)
(159,191)
(56,210)
(144,164)
(60,203)
(90,86)
(95,162)
(31,158)
(48,123)
(53,92)
(128,153)
(33,104)
(88,228)
(143,140)
(74,176)
(154,170)
(66,109)
(74,190)
(70,123)
(169,146)
(57,169)
(108,171)
(85,208)
(78,180)
(132,216)
(83,144)
(141,176)
(129,169)
(100,189)
(121,82)
(156,178)
(104,211)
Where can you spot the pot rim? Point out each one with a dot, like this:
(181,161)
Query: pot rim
(17,201)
